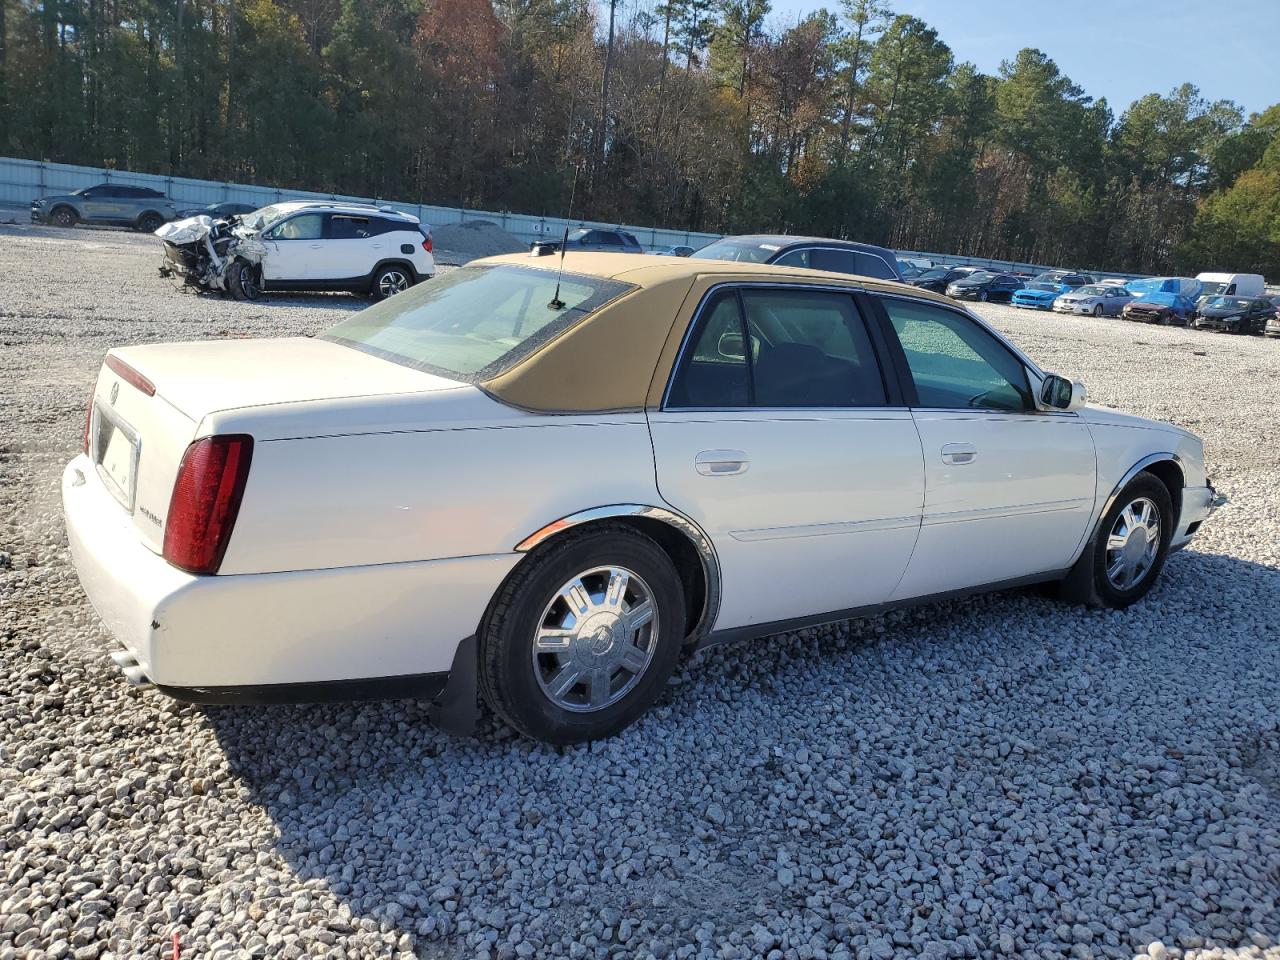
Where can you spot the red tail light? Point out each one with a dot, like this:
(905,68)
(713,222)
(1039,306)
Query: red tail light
(426,243)
(206,499)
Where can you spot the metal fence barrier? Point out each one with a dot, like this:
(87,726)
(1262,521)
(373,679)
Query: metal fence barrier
(21,181)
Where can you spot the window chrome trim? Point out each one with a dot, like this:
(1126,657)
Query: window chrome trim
(701,542)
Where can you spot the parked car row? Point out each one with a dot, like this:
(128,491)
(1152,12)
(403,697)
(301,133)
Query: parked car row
(1212,301)
(383,251)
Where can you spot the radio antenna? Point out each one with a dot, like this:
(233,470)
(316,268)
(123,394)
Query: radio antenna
(556,303)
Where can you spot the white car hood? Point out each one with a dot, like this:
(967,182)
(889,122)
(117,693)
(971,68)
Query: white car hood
(1114,418)
(186,231)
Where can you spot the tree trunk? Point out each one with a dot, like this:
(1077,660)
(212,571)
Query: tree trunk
(662,77)
(597,152)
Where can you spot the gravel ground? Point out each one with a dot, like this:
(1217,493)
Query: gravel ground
(1003,776)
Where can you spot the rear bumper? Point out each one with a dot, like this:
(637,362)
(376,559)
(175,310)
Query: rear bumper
(211,638)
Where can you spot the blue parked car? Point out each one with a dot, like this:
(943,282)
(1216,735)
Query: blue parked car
(1160,307)
(1041,291)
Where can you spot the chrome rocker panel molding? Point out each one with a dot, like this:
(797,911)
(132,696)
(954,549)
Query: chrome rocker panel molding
(699,539)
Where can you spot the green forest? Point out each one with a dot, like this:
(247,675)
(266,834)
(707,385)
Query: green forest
(692,114)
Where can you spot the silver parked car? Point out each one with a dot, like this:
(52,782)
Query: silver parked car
(111,203)
(1099,299)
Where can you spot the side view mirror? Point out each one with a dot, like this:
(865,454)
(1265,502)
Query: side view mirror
(731,347)
(1059,393)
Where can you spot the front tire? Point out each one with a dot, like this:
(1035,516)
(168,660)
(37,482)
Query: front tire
(1098,311)
(581,639)
(389,281)
(150,222)
(64,217)
(983,296)
(243,281)
(1122,562)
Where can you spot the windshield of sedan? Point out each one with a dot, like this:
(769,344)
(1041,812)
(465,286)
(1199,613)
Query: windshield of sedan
(934,274)
(1052,286)
(1092,291)
(743,251)
(1051,278)
(475,322)
(981,276)
(1232,303)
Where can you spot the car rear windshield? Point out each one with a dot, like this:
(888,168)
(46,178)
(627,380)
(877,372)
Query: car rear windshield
(742,251)
(475,322)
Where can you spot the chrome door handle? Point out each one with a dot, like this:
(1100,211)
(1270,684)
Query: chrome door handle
(316,246)
(721,463)
(958,454)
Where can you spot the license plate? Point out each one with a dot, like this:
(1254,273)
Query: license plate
(115,453)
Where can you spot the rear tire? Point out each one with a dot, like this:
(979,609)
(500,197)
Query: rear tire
(983,296)
(565,665)
(242,281)
(64,217)
(389,281)
(1123,560)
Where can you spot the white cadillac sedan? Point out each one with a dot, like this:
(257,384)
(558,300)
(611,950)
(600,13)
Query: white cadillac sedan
(547,487)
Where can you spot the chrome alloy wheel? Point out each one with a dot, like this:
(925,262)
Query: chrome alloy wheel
(595,639)
(1133,544)
(247,283)
(392,282)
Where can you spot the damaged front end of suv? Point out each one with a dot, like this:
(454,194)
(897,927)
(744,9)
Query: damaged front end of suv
(212,255)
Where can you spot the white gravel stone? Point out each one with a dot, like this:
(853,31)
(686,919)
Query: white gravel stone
(1002,776)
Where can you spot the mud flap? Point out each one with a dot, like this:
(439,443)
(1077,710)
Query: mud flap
(455,711)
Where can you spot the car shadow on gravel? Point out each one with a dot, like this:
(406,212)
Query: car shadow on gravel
(1003,774)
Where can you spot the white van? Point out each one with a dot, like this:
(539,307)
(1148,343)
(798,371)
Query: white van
(1231,285)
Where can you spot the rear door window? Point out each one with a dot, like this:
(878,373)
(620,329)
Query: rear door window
(345,227)
(779,348)
(810,348)
(836,261)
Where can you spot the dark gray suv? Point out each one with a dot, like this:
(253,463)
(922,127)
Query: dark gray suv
(590,238)
(111,203)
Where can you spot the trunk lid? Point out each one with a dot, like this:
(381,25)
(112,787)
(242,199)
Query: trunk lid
(137,438)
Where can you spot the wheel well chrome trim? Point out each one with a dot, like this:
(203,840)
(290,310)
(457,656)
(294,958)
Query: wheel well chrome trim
(1137,468)
(701,543)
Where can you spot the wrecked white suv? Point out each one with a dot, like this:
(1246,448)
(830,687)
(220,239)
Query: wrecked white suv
(300,245)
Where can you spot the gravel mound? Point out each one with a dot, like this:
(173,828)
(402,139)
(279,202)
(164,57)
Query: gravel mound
(998,777)
(476,238)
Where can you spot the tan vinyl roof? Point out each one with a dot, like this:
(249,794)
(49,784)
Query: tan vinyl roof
(619,357)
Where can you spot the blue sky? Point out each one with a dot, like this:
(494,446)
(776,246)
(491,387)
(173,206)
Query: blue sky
(1121,49)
